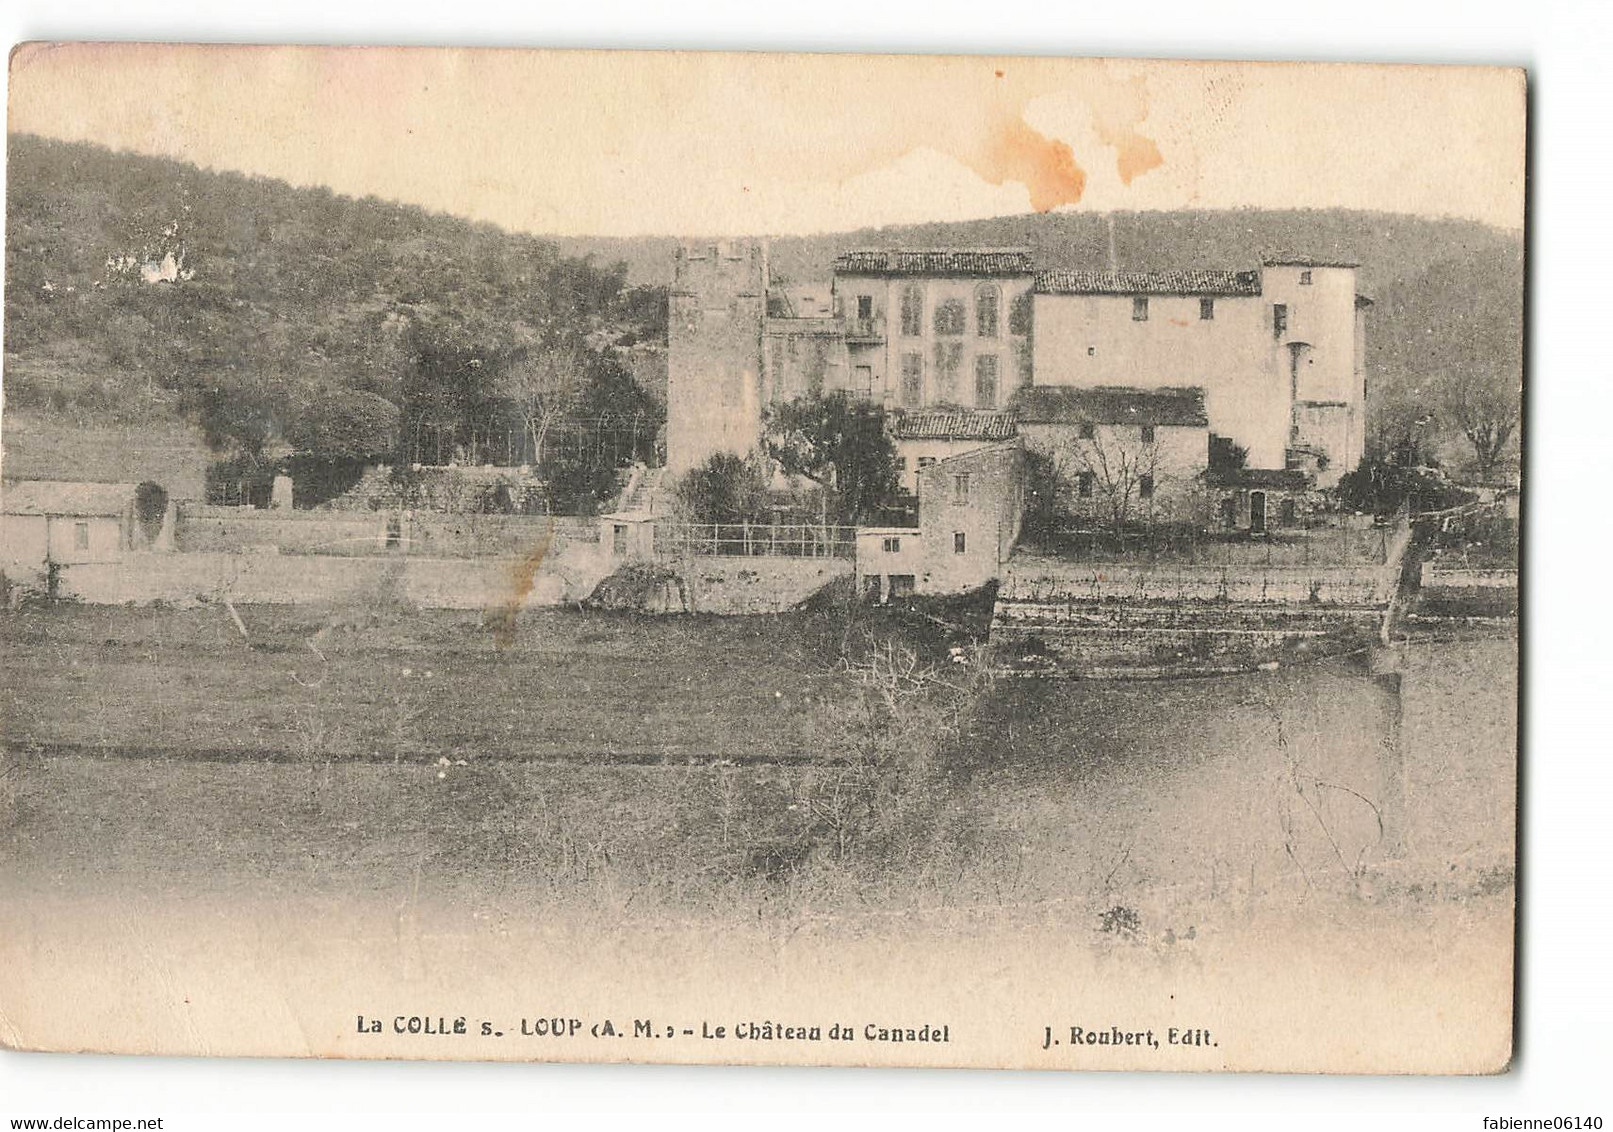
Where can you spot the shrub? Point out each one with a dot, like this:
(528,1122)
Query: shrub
(725,489)
(1382,488)
(150,505)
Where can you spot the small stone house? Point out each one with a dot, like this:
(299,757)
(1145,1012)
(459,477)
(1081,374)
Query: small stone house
(49,522)
(970,509)
(1258,500)
(1120,453)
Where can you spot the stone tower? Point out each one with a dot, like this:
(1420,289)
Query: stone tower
(717,308)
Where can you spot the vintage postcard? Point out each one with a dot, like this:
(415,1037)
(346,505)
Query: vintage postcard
(754,558)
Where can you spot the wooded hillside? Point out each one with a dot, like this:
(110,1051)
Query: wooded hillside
(141,290)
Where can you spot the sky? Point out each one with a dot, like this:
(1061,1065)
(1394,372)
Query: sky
(668,143)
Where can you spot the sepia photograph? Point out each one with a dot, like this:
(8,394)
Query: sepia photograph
(761,558)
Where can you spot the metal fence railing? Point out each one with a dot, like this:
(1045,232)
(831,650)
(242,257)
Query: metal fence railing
(747,540)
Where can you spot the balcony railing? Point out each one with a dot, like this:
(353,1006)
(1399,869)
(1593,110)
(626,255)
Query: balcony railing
(865,330)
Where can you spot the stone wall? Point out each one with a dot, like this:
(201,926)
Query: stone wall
(202,529)
(1046,580)
(720,585)
(470,535)
(1110,619)
(561,577)
(746,585)
(1452,590)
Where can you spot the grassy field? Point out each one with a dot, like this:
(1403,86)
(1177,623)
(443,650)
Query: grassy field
(405,685)
(636,814)
(715,765)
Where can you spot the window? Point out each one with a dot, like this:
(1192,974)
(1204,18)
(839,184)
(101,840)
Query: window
(1206,309)
(81,536)
(959,542)
(986,381)
(618,538)
(912,311)
(1083,484)
(1087,430)
(1289,512)
(864,382)
(1148,434)
(1305,278)
(865,307)
(1021,314)
(948,359)
(1139,309)
(1279,319)
(960,488)
(892,546)
(925,462)
(1145,486)
(950,317)
(987,301)
(912,380)
(901,463)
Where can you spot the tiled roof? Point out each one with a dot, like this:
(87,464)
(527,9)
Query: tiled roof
(955,424)
(1111,404)
(1307,261)
(60,497)
(1149,282)
(937,261)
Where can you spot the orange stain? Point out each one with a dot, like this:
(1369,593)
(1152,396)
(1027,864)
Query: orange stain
(523,574)
(1013,151)
(1136,156)
(1116,116)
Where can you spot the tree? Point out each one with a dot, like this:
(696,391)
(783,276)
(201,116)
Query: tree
(725,489)
(612,423)
(1456,369)
(841,442)
(1478,398)
(1046,481)
(1380,487)
(1119,466)
(1106,475)
(544,385)
(343,423)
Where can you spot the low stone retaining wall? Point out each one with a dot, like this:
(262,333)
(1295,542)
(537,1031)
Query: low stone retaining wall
(1436,576)
(1056,617)
(199,528)
(719,585)
(560,577)
(1052,581)
(1461,592)
(364,533)
(751,585)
